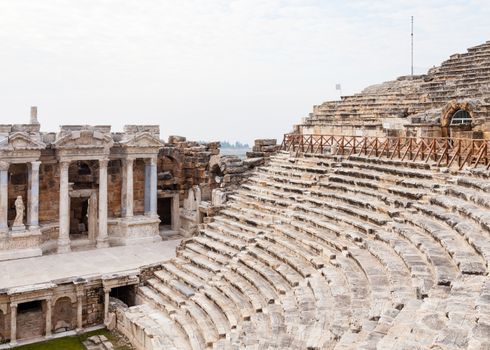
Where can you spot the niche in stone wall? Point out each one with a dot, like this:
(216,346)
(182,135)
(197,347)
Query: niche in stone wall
(63,315)
(18,186)
(31,319)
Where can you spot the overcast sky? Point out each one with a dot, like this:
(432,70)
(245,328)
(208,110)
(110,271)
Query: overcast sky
(214,69)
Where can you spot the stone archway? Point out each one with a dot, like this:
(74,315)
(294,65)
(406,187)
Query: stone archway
(448,112)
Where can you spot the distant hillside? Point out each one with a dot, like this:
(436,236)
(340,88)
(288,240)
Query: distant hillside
(236,145)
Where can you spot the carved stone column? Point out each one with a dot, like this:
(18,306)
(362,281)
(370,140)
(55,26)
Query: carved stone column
(102,239)
(64,229)
(4,193)
(33,195)
(80,295)
(175,213)
(107,290)
(13,323)
(151,186)
(49,313)
(127,188)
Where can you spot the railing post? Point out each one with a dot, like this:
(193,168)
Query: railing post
(410,155)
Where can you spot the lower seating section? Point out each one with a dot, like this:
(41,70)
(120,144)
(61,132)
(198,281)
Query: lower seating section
(322,252)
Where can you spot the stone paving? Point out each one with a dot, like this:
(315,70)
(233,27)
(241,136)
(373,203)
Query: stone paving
(14,273)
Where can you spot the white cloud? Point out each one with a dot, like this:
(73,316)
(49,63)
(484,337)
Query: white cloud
(218,69)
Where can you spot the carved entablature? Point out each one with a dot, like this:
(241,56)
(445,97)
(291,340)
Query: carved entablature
(83,144)
(20,147)
(31,292)
(140,145)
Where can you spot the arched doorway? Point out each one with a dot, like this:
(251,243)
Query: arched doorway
(461,117)
(460,124)
(456,120)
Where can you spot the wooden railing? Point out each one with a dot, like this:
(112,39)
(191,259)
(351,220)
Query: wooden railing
(448,152)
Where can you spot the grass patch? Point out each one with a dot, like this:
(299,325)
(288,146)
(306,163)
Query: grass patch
(66,343)
(75,342)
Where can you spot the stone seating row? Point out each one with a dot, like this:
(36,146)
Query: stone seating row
(301,260)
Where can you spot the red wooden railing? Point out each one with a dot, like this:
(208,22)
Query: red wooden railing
(448,152)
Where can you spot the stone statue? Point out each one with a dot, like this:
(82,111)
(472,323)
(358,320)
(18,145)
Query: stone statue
(19,212)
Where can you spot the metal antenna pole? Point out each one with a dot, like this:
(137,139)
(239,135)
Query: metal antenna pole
(411,60)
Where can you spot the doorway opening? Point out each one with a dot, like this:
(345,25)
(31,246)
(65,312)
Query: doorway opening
(127,294)
(164,209)
(30,313)
(79,218)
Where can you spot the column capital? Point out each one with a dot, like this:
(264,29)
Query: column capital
(14,304)
(151,160)
(128,160)
(103,162)
(4,166)
(64,164)
(35,164)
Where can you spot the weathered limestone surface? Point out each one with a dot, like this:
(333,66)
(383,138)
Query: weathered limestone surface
(87,187)
(319,252)
(413,106)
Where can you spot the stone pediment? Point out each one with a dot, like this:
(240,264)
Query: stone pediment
(142,140)
(21,141)
(82,139)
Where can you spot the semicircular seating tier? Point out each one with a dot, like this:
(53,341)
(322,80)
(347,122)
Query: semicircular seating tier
(461,82)
(324,252)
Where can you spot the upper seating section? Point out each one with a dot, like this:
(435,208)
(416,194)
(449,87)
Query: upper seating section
(325,252)
(463,76)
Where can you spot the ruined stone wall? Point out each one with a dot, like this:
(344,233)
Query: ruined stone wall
(3,330)
(139,186)
(49,192)
(31,324)
(93,306)
(147,272)
(188,161)
(114,185)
